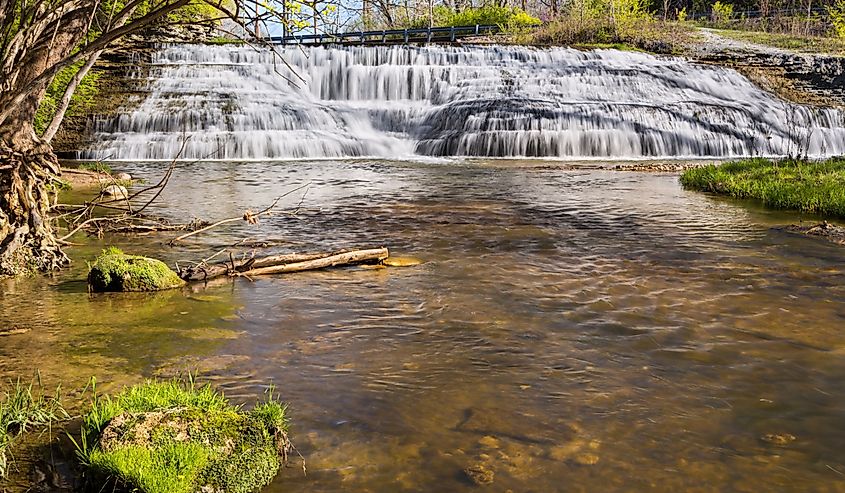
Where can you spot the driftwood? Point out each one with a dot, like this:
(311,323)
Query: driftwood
(347,258)
(277,264)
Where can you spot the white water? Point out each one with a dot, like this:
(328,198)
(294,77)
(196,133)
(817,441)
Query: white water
(224,102)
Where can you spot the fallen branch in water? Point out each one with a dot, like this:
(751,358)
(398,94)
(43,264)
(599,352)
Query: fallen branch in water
(277,264)
(346,258)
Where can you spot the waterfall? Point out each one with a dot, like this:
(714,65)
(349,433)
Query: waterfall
(235,102)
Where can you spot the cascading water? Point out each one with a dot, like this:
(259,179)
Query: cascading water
(224,102)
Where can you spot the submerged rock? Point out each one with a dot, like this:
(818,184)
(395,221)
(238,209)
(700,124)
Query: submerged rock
(117,191)
(117,271)
(401,261)
(479,474)
(824,229)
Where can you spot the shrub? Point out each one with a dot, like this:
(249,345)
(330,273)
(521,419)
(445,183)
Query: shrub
(721,13)
(836,12)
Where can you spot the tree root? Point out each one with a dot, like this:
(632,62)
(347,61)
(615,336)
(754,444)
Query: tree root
(27,239)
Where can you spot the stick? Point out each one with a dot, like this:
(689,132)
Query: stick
(347,258)
(248,216)
(202,271)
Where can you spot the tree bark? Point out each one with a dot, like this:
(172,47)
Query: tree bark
(27,241)
(27,164)
(348,258)
(275,264)
(56,122)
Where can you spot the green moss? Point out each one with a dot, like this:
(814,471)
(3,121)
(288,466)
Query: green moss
(116,271)
(175,437)
(81,102)
(806,186)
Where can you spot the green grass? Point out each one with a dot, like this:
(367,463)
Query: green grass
(806,186)
(99,167)
(176,437)
(117,271)
(805,44)
(21,409)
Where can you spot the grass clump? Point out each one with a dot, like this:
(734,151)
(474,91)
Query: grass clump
(97,166)
(177,437)
(21,409)
(813,187)
(114,270)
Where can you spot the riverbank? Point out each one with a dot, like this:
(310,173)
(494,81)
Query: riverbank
(804,186)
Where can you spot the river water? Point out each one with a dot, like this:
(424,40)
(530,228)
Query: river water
(569,329)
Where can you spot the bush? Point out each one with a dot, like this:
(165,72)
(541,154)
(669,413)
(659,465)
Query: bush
(721,13)
(837,17)
(644,34)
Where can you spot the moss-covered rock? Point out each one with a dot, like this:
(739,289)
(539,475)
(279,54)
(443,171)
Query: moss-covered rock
(170,437)
(117,271)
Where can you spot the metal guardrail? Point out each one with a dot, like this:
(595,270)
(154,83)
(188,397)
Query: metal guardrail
(389,36)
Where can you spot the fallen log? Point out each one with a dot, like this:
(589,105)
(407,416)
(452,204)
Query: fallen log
(203,272)
(347,258)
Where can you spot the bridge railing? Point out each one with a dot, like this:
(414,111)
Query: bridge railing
(389,36)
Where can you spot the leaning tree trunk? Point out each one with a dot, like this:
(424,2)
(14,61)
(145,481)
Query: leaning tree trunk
(28,166)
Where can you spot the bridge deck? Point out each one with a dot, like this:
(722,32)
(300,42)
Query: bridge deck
(390,36)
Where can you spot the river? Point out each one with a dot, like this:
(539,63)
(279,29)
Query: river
(569,329)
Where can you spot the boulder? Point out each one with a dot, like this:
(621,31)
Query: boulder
(116,271)
(174,437)
(123,177)
(116,191)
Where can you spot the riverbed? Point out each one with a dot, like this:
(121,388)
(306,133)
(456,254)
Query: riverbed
(568,330)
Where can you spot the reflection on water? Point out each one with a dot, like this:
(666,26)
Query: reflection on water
(600,330)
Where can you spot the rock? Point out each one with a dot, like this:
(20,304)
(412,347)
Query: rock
(587,459)
(826,230)
(116,271)
(479,474)
(778,438)
(164,436)
(117,191)
(401,261)
(123,177)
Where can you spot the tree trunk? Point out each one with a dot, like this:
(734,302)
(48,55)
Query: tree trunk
(59,117)
(27,242)
(27,165)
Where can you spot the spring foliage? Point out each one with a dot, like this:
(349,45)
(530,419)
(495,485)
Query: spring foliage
(837,17)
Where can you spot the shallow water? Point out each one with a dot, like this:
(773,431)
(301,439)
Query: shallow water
(569,330)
